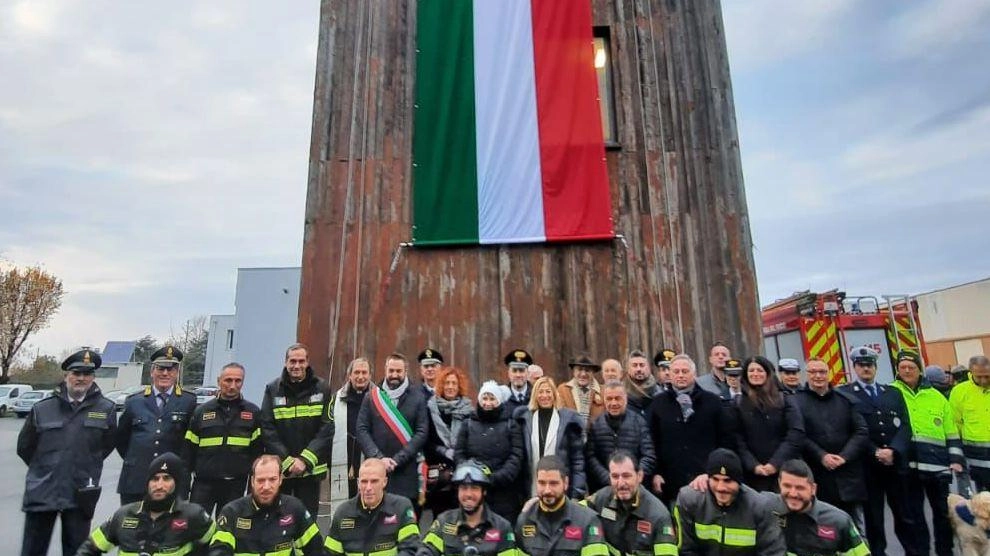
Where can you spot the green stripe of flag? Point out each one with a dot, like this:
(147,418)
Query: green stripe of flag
(445,175)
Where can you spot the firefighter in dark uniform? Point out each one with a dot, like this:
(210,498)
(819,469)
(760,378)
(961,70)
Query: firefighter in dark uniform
(159,524)
(728,517)
(266,521)
(811,527)
(635,521)
(374,521)
(556,524)
(885,464)
(223,439)
(153,422)
(64,441)
(473,525)
(297,426)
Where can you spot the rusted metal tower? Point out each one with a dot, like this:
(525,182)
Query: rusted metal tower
(681,275)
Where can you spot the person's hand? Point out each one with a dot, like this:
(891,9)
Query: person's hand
(657,483)
(955,467)
(700,483)
(297,468)
(389,464)
(832,461)
(770,469)
(885,456)
(760,470)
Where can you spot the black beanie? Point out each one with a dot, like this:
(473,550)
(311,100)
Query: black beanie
(170,464)
(724,462)
(912,356)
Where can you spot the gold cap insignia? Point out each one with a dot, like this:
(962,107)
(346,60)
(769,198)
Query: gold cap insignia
(168,352)
(721,471)
(429,353)
(86,358)
(520,355)
(668,354)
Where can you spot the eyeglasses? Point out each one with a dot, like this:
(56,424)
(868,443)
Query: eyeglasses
(82,372)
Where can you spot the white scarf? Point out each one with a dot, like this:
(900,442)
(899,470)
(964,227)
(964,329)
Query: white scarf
(549,447)
(398,392)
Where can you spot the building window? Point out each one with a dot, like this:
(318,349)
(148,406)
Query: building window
(230,339)
(606,96)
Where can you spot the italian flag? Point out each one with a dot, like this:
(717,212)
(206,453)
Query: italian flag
(507,137)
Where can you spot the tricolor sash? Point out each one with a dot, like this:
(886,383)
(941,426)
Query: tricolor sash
(395,420)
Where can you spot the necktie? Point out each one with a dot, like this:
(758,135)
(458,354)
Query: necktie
(74,404)
(162,400)
(872,391)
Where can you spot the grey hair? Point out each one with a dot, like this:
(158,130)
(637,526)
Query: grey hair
(685,357)
(980,360)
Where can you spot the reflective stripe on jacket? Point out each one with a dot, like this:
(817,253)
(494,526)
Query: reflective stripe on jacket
(283,529)
(297,421)
(181,530)
(390,529)
(821,530)
(934,439)
(971,411)
(746,526)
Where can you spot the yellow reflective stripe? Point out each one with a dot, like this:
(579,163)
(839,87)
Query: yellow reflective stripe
(209,533)
(321,468)
(211,441)
(285,552)
(389,552)
(309,456)
(226,537)
(740,537)
(298,411)
(614,551)
(238,441)
(859,550)
(100,540)
(509,552)
(333,545)
(255,434)
(192,437)
(434,540)
(708,532)
(680,525)
(407,531)
(594,549)
(307,535)
(665,549)
(286,463)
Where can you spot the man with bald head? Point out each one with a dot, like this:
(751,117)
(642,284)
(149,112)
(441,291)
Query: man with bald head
(612,370)
(374,520)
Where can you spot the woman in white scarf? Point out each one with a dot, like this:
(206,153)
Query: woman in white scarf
(549,429)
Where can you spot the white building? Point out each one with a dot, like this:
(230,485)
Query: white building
(266,310)
(955,322)
(118,370)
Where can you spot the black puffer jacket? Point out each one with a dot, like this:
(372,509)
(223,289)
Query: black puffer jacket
(491,438)
(569,448)
(767,435)
(833,426)
(631,434)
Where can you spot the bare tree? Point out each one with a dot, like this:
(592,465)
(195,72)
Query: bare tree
(29,298)
(191,339)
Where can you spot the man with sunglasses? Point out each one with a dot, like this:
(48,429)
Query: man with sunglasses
(153,422)
(64,441)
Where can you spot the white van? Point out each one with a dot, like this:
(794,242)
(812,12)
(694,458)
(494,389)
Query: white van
(9,394)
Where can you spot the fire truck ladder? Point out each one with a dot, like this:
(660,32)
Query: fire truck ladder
(910,327)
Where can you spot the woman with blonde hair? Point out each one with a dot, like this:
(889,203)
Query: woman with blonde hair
(549,429)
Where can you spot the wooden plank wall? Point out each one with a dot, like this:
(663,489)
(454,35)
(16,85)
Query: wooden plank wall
(683,278)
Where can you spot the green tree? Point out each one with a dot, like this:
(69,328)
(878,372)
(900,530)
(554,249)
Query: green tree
(191,339)
(29,298)
(142,354)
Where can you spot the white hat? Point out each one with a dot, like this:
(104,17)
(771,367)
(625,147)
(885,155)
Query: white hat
(500,392)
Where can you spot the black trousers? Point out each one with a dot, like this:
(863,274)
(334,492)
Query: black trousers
(306,489)
(980,477)
(38,528)
(884,482)
(214,494)
(934,487)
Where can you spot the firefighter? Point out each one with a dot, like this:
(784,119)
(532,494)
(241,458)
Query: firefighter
(153,422)
(374,521)
(885,461)
(811,526)
(224,437)
(970,403)
(728,517)
(266,521)
(556,524)
(297,426)
(634,521)
(936,453)
(160,523)
(473,525)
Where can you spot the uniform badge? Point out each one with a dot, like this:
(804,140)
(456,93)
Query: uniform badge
(493,535)
(826,532)
(129,523)
(384,546)
(609,514)
(573,533)
(938,421)
(667,531)
(209,415)
(180,524)
(529,530)
(96,415)
(347,523)
(279,400)
(449,528)
(247,415)
(222,520)
(243,523)
(782,521)
(286,520)
(283,546)
(644,527)
(390,520)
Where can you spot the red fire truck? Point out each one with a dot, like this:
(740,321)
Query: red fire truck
(828,325)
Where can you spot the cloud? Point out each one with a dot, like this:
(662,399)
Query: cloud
(935,29)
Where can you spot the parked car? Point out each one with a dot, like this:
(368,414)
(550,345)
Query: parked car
(121,395)
(9,394)
(205,393)
(23,404)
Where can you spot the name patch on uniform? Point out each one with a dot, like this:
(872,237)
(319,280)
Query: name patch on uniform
(247,415)
(96,415)
(391,520)
(609,514)
(286,520)
(279,400)
(529,530)
(826,532)
(316,398)
(572,533)
(209,415)
(450,528)
(384,546)
(347,523)
(129,523)
(644,527)
(180,524)
(243,523)
(283,546)
(493,535)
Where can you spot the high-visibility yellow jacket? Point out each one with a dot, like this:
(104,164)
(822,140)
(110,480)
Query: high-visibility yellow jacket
(934,439)
(971,411)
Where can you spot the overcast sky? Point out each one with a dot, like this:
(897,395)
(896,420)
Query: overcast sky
(148,149)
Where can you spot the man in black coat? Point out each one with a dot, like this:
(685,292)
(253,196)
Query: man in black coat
(64,441)
(686,424)
(835,440)
(397,441)
(617,429)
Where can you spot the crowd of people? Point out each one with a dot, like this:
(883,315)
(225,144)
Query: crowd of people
(618,459)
